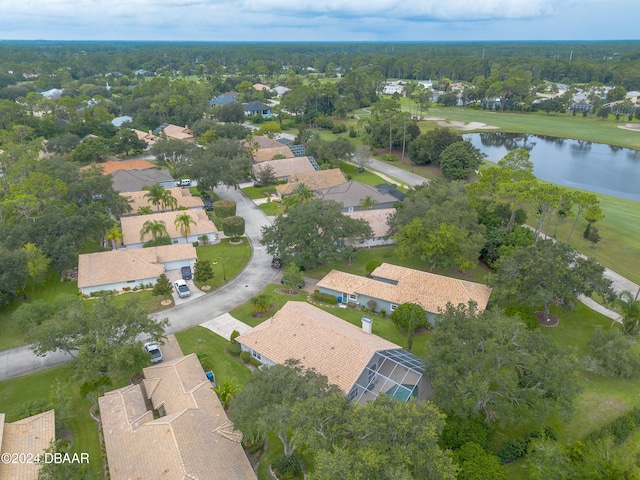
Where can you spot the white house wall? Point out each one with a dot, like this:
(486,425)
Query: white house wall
(118,286)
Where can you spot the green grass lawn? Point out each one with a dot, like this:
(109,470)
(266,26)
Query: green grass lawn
(200,340)
(37,386)
(231,259)
(244,312)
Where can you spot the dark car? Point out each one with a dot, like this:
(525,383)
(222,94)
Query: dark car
(276,263)
(208,206)
(187,274)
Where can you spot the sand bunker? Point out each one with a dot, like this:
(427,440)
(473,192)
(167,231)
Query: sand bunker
(634,127)
(461,125)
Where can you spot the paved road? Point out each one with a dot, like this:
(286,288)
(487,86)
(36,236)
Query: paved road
(255,276)
(398,173)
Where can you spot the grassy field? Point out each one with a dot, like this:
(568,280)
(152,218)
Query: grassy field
(37,386)
(244,313)
(230,259)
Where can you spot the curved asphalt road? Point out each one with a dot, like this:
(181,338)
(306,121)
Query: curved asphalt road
(255,276)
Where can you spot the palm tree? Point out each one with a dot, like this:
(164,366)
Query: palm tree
(168,200)
(114,235)
(261,303)
(367,203)
(290,201)
(155,195)
(304,193)
(183,224)
(157,228)
(145,210)
(630,309)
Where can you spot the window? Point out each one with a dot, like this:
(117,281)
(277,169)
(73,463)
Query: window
(371,376)
(353,394)
(350,209)
(256,355)
(393,307)
(353,296)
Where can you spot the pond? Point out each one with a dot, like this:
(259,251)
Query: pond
(590,166)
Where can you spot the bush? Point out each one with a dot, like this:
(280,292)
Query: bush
(389,157)
(162,286)
(353,133)
(372,305)
(233,226)
(619,429)
(458,431)
(205,361)
(254,362)
(234,349)
(288,468)
(235,334)
(203,271)
(224,208)
(514,449)
(526,315)
(338,128)
(325,297)
(158,242)
(371,266)
(383,312)
(245,356)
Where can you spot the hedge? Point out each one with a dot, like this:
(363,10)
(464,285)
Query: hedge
(325,297)
(224,208)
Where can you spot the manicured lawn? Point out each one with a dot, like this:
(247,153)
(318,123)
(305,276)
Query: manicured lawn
(244,313)
(230,259)
(37,386)
(256,193)
(365,177)
(200,340)
(272,209)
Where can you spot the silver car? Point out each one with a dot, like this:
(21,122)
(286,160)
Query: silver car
(154,350)
(182,288)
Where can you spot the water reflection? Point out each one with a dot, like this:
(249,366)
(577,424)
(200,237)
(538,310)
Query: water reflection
(580,164)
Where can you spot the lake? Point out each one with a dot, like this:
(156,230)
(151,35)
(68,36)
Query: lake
(590,166)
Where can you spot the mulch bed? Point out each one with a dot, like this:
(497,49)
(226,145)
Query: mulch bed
(552,321)
(291,293)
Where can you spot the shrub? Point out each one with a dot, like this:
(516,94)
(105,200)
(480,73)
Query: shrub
(158,242)
(325,297)
(233,226)
(235,334)
(372,305)
(383,312)
(338,128)
(353,133)
(245,356)
(514,449)
(288,468)
(254,362)
(234,349)
(458,431)
(526,315)
(162,286)
(203,271)
(224,208)
(371,266)
(389,157)
(205,361)
(195,244)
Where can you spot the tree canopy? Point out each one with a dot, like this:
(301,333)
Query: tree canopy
(313,233)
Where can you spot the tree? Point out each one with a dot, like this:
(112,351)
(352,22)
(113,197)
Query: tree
(547,459)
(303,193)
(460,160)
(476,464)
(586,205)
(225,162)
(484,363)
(230,113)
(292,277)
(313,233)
(13,274)
(183,222)
(614,354)
(362,158)
(629,307)
(203,271)
(56,470)
(168,200)
(99,336)
(162,287)
(176,154)
(36,268)
(91,150)
(592,234)
(367,203)
(114,235)
(233,227)
(225,391)
(265,176)
(546,273)
(410,317)
(427,147)
(155,195)
(157,229)
(267,400)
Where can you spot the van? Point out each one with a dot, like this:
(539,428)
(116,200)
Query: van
(185,182)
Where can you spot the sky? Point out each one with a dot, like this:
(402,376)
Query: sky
(319,20)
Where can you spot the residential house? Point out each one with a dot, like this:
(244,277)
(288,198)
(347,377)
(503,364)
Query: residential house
(316,180)
(116,165)
(176,132)
(285,167)
(182,195)
(27,437)
(262,141)
(390,88)
(391,285)
(280,91)
(119,269)
(149,137)
(53,94)
(257,108)
(352,194)
(360,363)
(201,226)
(633,96)
(261,87)
(266,154)
(222,100)
(118,121)
(134,180)
(377,220)
(186,435)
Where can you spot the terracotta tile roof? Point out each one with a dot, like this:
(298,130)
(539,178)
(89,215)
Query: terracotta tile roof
(266,154)
(183,195)
(29,435)
(131,226)
(179,133)
(376,218)
(195,438)
(149,137)
(351,194)
(263,142)
(322,341)
(103,268)
(431,291)
(315,180)
(260,86)
(286,167)
(114,166)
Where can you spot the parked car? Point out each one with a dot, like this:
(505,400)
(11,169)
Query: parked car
(187,274)
(208,206)
(154,350)
(182,288)
(276,263)
(185,182)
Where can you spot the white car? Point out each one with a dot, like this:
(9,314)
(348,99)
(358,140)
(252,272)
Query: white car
(182,288)
(154,350)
